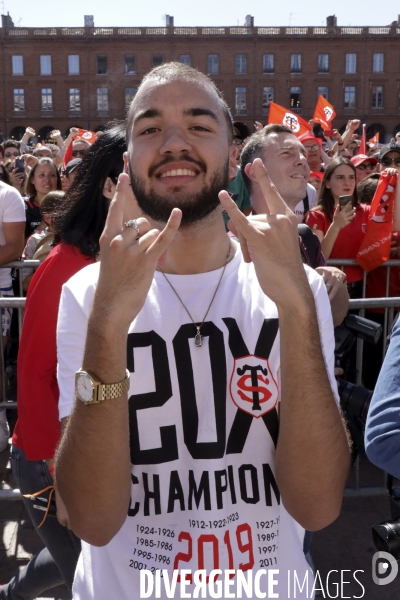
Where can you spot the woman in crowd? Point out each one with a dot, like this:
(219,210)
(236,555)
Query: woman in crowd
(340,229)
(42,179)
(40,244)
(78,225)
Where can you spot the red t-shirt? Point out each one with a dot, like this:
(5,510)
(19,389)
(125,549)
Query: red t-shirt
(349,238)
(37,430)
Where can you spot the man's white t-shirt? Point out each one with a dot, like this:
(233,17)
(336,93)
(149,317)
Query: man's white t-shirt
(12,210)
(312,202)
(203,428)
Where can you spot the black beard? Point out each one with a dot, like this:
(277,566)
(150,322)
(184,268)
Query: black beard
(194,207)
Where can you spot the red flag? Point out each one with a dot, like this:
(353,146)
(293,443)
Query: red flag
(375,139)
(282,116)
(363,142)
(83,134)
(375,248)
(324,113)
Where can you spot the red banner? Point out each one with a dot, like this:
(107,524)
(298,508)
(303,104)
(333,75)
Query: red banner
(375,248)
(375,139)
(282,116)
(324,113)
(83,134)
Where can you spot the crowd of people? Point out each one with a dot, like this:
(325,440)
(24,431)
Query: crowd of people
(135,290)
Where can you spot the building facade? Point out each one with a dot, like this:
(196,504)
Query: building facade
(56,78)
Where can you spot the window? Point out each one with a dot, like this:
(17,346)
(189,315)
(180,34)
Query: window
(240,101)
(377,96)
(74,99)
(268,63)
(267,97)
(101,65)
(295,97)
(47,99)
(322,91)
(351,63)
(350,96)
(241,64)
(129,95)
(157,60)
(17,65)
(19,99)
(212,64)
(377,66)
(130,64)
(323,63)
(102,99)
(185,59)
(295,63)
(45,64)
(73,64)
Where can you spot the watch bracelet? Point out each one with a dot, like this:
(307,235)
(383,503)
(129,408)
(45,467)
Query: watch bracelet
(112,391)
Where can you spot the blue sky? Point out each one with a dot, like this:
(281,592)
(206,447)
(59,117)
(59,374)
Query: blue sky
(69,13)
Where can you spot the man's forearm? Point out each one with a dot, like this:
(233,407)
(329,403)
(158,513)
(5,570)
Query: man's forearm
(312,457)
(93,463)
(11,251)
(340,305)
(329,240)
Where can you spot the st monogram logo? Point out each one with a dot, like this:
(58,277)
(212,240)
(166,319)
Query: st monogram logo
(252,387)
(292,122)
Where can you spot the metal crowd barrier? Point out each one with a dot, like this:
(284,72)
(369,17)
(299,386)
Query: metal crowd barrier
(17,303)
(362,304)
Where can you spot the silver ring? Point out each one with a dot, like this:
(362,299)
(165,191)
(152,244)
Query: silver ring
(328,285)
(132,223)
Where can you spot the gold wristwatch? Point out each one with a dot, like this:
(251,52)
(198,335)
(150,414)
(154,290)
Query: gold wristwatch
(90,391)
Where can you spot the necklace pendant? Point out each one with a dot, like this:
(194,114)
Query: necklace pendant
(198,339)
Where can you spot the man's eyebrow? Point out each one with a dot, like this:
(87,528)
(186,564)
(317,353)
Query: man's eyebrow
(293,147)
(200,112)
(150,113)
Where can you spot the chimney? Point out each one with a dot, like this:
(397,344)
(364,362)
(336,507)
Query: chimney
(331,21)
(169,21)
(249,21)
(6,21)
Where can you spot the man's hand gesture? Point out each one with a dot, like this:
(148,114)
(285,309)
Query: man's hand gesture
(129,258)
(271,242)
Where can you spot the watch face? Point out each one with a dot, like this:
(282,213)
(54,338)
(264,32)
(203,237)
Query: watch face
(84,387)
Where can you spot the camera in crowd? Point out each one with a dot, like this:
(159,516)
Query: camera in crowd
(386,536)
(354,399)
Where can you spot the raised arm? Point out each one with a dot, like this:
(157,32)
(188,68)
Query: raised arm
(93,463)
(312,456)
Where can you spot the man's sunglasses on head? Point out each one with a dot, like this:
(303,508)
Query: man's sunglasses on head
(386,162)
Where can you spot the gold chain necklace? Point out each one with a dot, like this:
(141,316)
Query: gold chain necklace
(198,338)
